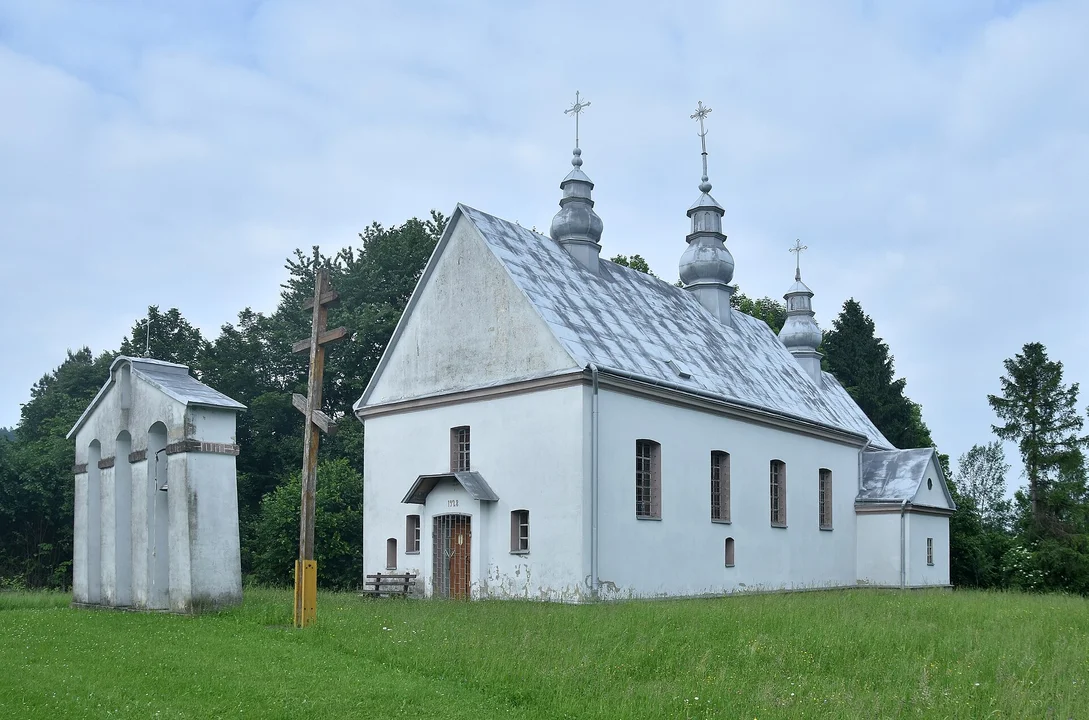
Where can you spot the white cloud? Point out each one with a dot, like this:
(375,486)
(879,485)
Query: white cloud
(934,157)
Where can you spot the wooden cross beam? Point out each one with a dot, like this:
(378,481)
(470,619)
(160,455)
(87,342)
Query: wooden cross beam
(316,420)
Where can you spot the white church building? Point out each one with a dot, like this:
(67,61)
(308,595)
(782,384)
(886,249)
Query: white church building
(548,424)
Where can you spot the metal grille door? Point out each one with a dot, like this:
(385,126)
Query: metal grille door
(450,556)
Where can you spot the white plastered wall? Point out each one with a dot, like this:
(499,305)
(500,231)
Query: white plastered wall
(208,522)
(683,553)
(879,548)
(921,526)
(528,447)
(469,326)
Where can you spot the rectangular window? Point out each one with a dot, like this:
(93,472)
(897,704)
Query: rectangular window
(778,493)
(519,531)
(825,498)
(391,554)
(648,479)
(720,486)
(930,551)
(459,449)
(412,534)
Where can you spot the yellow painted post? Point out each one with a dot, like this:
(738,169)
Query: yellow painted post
(306,592)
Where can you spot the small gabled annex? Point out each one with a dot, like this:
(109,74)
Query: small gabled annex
(903,509)
(156,506)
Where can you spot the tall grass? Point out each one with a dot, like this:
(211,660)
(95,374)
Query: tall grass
(868,654)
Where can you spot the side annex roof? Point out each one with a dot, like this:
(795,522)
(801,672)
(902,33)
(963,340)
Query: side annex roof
(172,379)
(895,476)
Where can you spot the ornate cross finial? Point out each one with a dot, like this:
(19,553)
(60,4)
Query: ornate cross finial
(701,114)
(575,110)
(798,249)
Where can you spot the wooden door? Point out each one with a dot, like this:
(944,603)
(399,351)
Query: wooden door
(452,550)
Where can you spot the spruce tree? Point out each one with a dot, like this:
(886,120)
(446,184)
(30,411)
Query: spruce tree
(862,363)
(1039,413)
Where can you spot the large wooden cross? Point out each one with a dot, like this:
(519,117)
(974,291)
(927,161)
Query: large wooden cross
(306,569)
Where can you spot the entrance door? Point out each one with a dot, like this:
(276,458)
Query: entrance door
(452,547)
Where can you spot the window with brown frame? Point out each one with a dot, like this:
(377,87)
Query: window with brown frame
(729,552)
(412,534)
(391,554)
(519,531)
(720,486)
(648,480)
(778,493)
(824,492)
(930,551)
(459,449)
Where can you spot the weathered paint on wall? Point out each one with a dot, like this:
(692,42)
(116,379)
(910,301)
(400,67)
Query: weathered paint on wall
(470,326)
(181,547)
(529,449)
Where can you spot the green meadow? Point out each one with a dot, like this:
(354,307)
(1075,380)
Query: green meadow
(835,654)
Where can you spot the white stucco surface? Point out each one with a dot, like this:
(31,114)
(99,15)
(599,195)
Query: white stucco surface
(135,544)
(683,553)
(919,528)
(470,326)
(879,549)
(529,449)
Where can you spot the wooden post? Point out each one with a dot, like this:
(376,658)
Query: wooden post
(306,569)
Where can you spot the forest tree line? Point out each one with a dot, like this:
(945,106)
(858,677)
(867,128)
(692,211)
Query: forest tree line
(1039,541)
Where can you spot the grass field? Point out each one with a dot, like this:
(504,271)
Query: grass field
(865,654)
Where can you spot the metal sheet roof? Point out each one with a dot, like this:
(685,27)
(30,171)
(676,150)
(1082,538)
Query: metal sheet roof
(625,319)
(472,481)
(170,378)
(175,381)
(897,475)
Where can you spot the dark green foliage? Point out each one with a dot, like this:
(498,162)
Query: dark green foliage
(767,309)
(862,363)
(171,339)
(338,529)
(1040,414)
(36,475)
(635,262)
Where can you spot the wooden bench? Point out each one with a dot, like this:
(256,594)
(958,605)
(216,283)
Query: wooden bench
(388,585)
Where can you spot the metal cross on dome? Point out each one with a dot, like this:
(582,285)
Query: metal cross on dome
(575,110)
(701,114)
(797,248)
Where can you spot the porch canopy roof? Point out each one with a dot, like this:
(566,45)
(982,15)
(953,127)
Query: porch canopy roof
(471,480)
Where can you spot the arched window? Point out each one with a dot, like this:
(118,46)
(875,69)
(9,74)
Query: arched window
(778,493)
(648,480)
(94,522)
(519,531)
(720,486)
(729,552)
(824,491)
(391,554)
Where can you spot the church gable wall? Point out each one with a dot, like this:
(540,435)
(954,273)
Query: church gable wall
(683,553)
(468,326)
(529,448)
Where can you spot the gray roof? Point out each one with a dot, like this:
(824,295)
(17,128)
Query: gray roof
(472,481)
(633,322)
(172,379)
(896,475)
(175,381)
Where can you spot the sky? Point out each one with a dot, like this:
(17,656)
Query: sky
(932,155)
